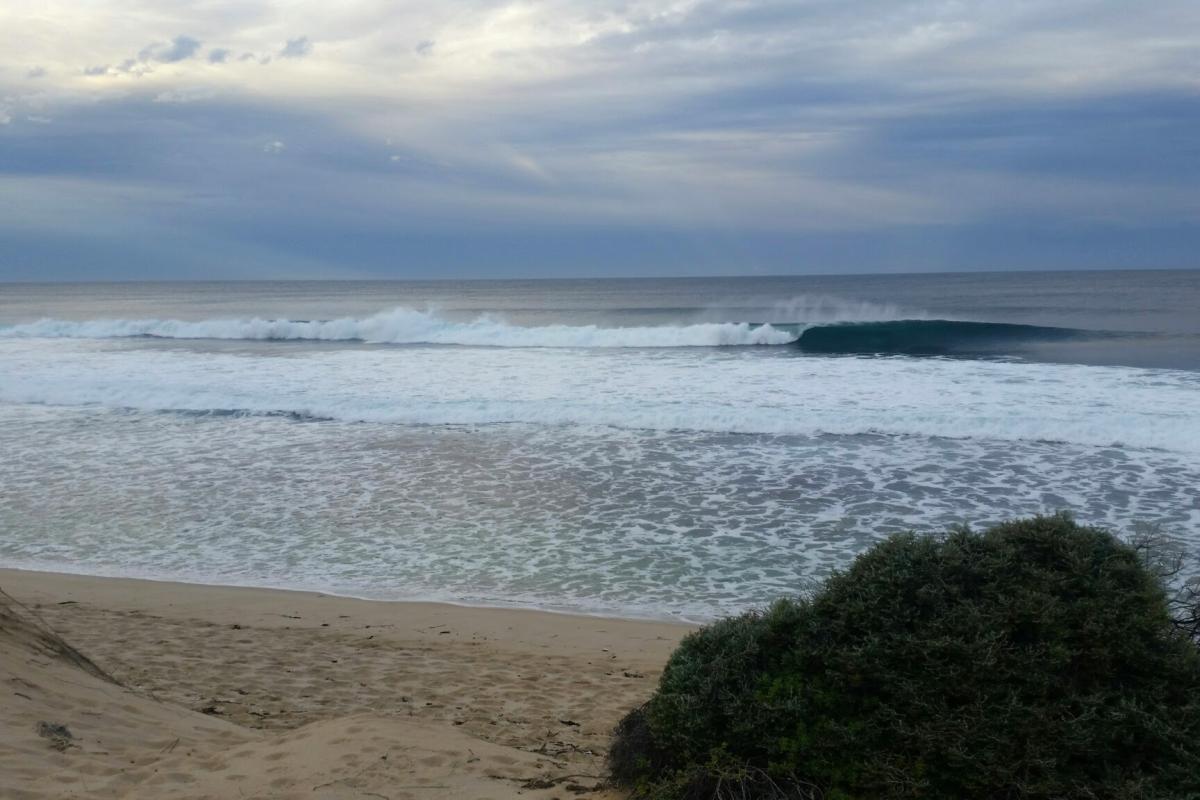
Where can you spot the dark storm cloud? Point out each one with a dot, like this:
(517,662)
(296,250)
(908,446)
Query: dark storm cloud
(337,198)
(1122,137)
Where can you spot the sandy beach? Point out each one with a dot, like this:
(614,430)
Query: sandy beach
(216,692)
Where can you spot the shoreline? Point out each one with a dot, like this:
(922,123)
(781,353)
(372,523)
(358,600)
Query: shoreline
(496,605)
(120,593)
(458,700)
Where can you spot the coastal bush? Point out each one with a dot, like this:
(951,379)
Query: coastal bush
(1170,561)
(1036,659)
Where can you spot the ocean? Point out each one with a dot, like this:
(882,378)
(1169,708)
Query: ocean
(676,448)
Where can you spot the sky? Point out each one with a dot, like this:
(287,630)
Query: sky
(465,138)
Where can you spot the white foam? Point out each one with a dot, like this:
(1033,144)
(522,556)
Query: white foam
(409,326)
(607,520)
(729,391)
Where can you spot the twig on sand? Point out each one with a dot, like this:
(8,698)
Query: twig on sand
(59,735)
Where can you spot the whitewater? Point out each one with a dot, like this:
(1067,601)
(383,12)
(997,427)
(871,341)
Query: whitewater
(633,449)
(411,326)
(658,389)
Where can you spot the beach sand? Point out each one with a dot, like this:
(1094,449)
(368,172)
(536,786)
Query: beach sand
(220,692)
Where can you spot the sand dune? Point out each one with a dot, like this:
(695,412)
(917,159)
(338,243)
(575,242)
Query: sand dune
(180,691)
(116,734)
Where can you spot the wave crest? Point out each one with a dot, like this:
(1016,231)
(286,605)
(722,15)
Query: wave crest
(409,326)
(933,337)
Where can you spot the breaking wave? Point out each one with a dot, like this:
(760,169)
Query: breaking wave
(408,326)
(817,335)
(644,389)
(932,337)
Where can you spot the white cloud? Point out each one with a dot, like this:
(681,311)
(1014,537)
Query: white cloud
(680,111)
(615,46)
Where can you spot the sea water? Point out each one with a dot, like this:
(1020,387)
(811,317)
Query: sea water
(635,447)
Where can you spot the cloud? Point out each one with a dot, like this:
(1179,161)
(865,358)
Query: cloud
(296,48)
(35,72)
(888,130)
(179,49)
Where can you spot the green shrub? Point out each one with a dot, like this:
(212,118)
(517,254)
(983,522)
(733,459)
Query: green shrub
(1033,660)
(1179,572)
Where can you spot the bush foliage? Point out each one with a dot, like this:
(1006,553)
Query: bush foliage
(1036,659)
